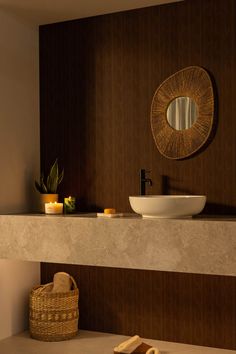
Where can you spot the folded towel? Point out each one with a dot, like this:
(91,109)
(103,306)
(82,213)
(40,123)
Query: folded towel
(129,345)
(134,345)
(61,282)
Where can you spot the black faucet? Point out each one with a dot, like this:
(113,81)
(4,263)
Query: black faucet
(143,180)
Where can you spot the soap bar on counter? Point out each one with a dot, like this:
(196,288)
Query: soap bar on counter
(109,211)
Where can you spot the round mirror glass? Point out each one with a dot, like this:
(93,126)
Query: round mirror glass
(182,113)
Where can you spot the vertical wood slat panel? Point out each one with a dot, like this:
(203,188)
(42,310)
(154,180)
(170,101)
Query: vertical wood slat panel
(97,79)
(189,308)
(98,76)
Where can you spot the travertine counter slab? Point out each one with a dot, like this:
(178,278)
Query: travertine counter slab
(206,246)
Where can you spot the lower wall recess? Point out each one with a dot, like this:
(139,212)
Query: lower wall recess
(179,307)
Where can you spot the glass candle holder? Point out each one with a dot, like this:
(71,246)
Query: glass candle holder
(53,208)
(69,205)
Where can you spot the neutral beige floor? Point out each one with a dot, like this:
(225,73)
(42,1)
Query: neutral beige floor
(93,343)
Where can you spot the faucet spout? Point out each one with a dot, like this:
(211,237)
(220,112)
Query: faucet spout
(143,180)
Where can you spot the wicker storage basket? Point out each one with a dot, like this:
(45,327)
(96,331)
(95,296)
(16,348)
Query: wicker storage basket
(53,316)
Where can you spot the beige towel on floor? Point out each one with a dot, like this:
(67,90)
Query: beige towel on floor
(129,345)
(135,345)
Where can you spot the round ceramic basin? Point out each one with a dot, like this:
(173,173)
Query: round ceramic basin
(167,206)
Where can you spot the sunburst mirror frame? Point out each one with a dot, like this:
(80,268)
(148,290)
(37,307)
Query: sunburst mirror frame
(193,82)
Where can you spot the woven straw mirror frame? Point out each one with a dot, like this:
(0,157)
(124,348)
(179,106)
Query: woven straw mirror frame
(193,82)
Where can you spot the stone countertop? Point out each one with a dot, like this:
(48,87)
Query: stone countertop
(94,343)
(198,245)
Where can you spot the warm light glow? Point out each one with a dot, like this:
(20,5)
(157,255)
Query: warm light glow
(53,208)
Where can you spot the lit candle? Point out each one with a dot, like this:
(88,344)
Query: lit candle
(53,208)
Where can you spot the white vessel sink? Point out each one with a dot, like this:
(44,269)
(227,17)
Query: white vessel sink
(167,206)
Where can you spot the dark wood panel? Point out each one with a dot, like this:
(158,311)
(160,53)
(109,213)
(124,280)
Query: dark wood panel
(97,79)
(179,307)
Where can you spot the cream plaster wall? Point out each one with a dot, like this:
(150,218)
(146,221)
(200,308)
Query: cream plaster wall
(16,280)
(19,114)
(19,157)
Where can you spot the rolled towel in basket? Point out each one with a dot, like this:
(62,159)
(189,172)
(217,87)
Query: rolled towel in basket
(61,282)
(134,345)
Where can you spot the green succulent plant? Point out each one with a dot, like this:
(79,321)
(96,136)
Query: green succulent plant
(53,180)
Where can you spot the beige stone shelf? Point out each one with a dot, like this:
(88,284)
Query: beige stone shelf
(206,246)
(94,343)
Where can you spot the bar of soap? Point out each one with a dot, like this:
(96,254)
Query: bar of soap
(109,211)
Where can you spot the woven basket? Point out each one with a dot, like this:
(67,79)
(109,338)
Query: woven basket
(53,316)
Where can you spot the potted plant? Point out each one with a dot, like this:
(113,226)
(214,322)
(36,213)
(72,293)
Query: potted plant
(48,189)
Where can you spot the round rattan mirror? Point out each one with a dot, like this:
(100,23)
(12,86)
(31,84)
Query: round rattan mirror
(182,113)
